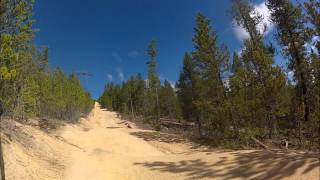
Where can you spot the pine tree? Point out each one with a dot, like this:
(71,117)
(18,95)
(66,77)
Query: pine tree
(264,77)
(140,94)
(30,96)
(168,101)
(211,61)
(106,98)
(292,35)
(153,86)
(17,50)
(186,88)
(136,93)
(313,17)
(238,96)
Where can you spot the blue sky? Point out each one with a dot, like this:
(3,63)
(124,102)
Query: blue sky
(108,38)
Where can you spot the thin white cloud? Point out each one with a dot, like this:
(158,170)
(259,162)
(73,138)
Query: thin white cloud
(133,54)
(116,56)
(240,33)
(110,77)
(120,74)
(264,27)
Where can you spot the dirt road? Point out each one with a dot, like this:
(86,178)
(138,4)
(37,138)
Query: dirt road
(110,150)
(104,148)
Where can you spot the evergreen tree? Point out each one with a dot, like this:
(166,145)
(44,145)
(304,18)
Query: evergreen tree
(139,94)
(239,96)
(211,62)
(264,76)
(136,93)
(30,96)
(153,86)
(313,17)
(168,101)
(17,50)
(292,35)
(186,88)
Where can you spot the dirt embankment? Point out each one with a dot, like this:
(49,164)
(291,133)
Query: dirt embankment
(102,147)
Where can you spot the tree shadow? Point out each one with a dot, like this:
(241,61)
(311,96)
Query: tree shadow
(245,165)
(158,136)
(113,127)
(194,169)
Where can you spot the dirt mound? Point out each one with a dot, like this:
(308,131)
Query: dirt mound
(30,153)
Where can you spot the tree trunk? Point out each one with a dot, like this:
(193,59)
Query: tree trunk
(158,107)
(131,104)
(2,173)
(199,129)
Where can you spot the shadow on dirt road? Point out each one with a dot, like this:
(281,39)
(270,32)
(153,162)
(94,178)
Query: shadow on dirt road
(246,165)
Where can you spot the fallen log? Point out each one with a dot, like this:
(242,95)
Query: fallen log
(173,124)
(260,143)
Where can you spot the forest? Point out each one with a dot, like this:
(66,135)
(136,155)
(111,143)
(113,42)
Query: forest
(29,87)
(233,97)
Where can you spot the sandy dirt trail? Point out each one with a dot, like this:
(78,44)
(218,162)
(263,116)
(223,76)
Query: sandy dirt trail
(107,149)
(102,147)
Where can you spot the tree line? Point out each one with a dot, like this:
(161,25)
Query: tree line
(28,86)
(243,95)
(147,98)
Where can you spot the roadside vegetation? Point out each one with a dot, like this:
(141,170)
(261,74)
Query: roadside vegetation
(28,86)
(238,98)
